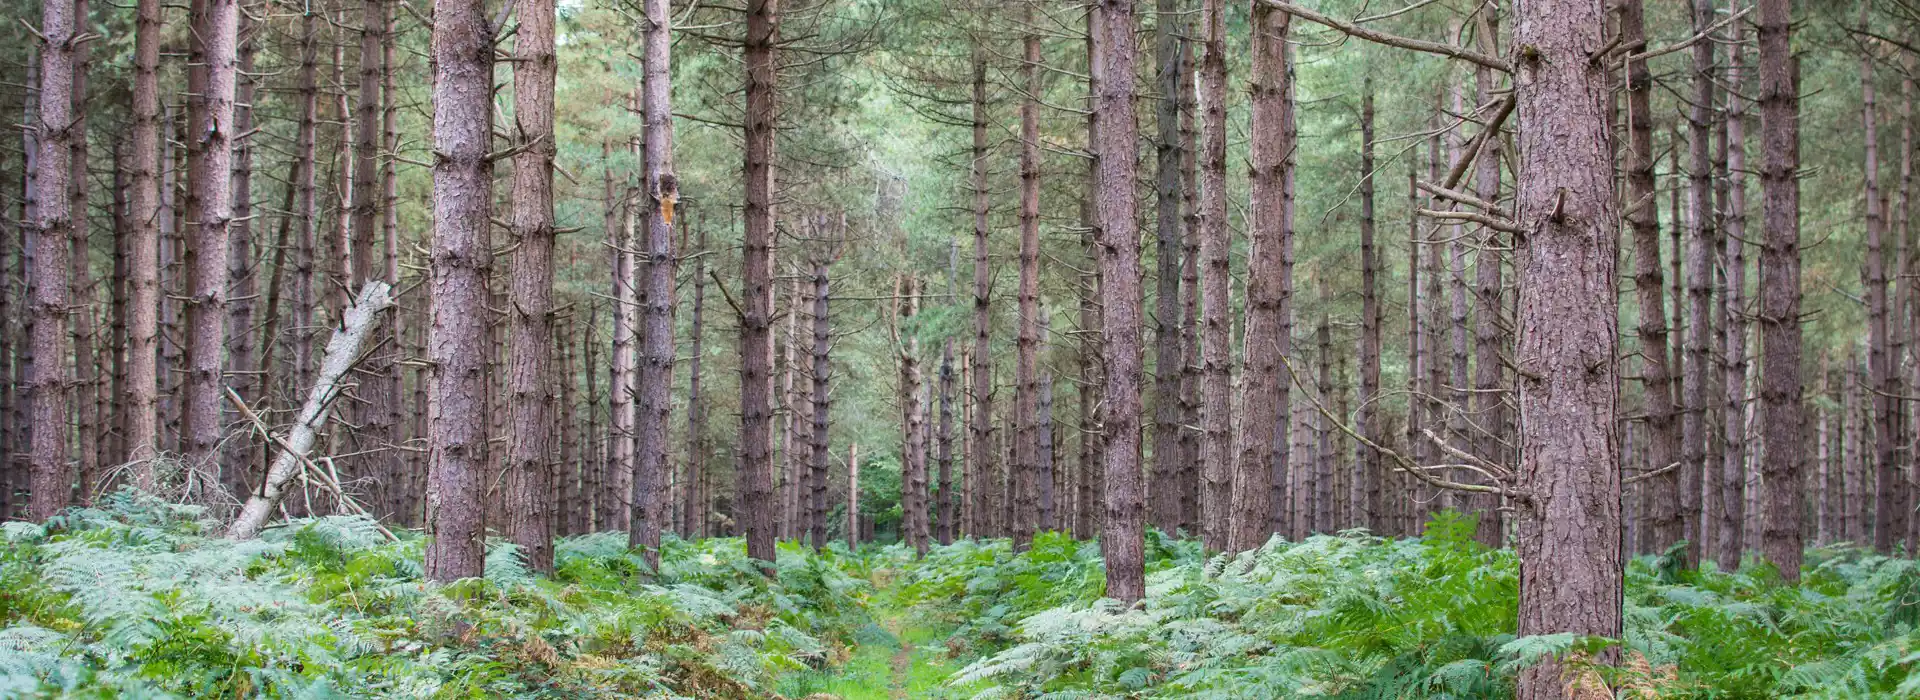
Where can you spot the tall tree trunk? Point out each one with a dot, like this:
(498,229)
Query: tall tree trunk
(1779,317)
(1569,514)
(651,465)
(143,249)
(462,258)
(241,267)
(530,394)
(306,204)
(756,332)
(1259,498)
(1733,466)
(1168,365)
(823,404)
(615,496)
(51,476)
(1115,210)
(1366,459)
(1663,444)
(982,390)
(1416,347)
(853,495)
(1026,374)
(211,177)
(694,504)
(1489,334)
(1888,520)
(1702,229)
(85,361)
(943,498)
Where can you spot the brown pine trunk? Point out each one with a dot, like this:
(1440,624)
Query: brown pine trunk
(982,389)
(617,486)
(143,249)
(1779,317)
(462,258)
(530,395)
(306,207)
(822,406)
(651,465)
(1115,209)
(1366,477)
(754,503)
(1569,508)
(1657,378)
(1733,435)
(943,498)
(246,377)
(694,504)
(210,172)
(1416,443)
(1489,333)
(51,474)
(1889,519)
(1260,479)
(853,495)
(1322,431)
(1190,421)
(1168,365)
(1702,229)
(85,362)
(594,469)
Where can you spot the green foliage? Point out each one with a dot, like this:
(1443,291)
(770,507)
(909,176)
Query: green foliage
(137,598)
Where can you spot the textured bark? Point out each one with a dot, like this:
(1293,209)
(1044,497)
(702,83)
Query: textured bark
(823,405)
(754,502)
(48,382)
(1852,466)
(651,464)
(853,495)
(1457,389)
(614,504)
(241,268)
(210,174)
(143,249)
(1025,467)
(913,448)
(1781,463)
(1733,466)
(1416,355)
(943,498)
(530,391)
(87,434)
(1168,364)
(1322,487)
(593,473)
(1367,465)
(462,258)
(306,203)
(1569,515)
(1190,422)
(1891,484)
(377,417)
(1115,210)
(1259,482)
(982,434)
(1663,444)
(695,505)
(1489,332)
(1702,229)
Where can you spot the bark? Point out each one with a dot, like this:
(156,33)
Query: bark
(982,388)
(651,465)
(1569,515)
(1115,210)
(1168,365)
(1663,444)
(1416,347)
(614,499)
(592,475)
(1852,467)
(1702,229)
(1322,431)
(1366,459)
(823,405)
(241,267)
(1733,436)
(143,249)
(943,498)
(1489,334)
(1189,472)
(530,395)
(1889,515)
(85,362)
(48,393)
(462,258)
(1259,485)
(306,203)
(210,174)
(342,352)
(695,503)
(1779,318)
(756,336)
(853,495)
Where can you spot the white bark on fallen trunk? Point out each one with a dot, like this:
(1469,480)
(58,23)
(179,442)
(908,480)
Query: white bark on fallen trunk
(343,351)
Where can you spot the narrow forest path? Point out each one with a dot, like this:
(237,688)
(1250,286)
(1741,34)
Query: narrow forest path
(899,655)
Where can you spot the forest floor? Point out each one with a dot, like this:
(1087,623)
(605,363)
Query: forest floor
(899,655)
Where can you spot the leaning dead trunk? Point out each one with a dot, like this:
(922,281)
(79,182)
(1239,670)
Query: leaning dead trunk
(341,354)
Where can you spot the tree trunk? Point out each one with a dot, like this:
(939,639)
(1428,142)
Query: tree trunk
(530,395)
(1259,497)
(1167,363)
(1569,511)
(1733,465)
(1701,232)
(943,498)
(982,435)
(853,495)
(51,479)
(462,258)
(823,404)
(756,332)
(1366,459)
(1115,210)
(1489,335)
(1663,430)
(694,503)
(86,366)
(1779,317)
(306,203)
(143,249)
(211,178)
(1889,525)
(615,496)
(1416,351)
(241,269)
(651,465)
